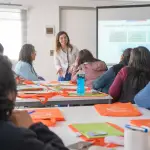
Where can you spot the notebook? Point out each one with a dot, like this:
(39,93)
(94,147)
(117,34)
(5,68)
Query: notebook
(97,130)
(98,141)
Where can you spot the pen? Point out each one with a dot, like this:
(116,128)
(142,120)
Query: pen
(31,112)
(136,128)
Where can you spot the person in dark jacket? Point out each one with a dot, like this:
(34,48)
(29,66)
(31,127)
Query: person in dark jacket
(133,78)
(104,82)
(17,131)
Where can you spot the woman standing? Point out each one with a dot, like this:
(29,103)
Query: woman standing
(65,56)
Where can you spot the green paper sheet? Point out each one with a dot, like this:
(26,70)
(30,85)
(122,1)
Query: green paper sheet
(97,128)
(88,94)
(29,87)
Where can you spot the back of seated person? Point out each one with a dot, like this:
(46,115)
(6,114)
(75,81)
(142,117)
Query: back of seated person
(90,65)
(24,68)
(17,131)
(103,82)
(130,80)
(142,99)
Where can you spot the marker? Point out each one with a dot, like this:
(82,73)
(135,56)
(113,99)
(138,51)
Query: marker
(31,112)
(136,128)
(94,134)
(148,128)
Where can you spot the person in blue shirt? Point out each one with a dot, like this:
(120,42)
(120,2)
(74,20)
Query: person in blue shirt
(142,99)
(24,68)
(103,82)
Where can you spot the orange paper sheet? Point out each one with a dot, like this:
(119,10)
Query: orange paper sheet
(39,96)
(141,122)
(118,110)
(49,117)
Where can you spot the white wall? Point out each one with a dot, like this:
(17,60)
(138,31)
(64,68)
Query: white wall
(46,12)
(82,32)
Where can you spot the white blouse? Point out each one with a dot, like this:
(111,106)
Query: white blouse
(61,61)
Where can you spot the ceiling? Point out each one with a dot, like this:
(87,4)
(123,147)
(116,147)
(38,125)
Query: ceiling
(7,1)
(20,1)
(12,1)
(123,0)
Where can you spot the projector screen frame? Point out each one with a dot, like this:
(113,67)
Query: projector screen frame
(111,7)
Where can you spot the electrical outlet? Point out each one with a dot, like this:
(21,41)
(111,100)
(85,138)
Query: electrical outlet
(51,52)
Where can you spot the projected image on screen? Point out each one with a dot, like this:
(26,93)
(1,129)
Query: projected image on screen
(115,36)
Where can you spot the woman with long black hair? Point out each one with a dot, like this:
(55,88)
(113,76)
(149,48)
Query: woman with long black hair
(24,67)
(131,79)
(17,131)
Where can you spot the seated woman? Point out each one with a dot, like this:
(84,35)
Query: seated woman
(90,65)
(18,132)
(130,80)
(142,98)
(103,82)
(24,68)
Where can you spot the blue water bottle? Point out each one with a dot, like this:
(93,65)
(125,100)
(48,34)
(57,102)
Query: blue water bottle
(81,83)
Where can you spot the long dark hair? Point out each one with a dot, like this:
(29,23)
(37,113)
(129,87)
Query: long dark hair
(124,61)
(58,45)
(7,86)
(26,53)
(1,49)
(85,56)
(138,68)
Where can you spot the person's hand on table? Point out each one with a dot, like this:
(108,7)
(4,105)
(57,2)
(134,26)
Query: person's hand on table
(19,80)
(70,70)
(21,118)
(60,72)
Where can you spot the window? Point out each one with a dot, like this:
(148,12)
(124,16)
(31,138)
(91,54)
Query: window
(12,31)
